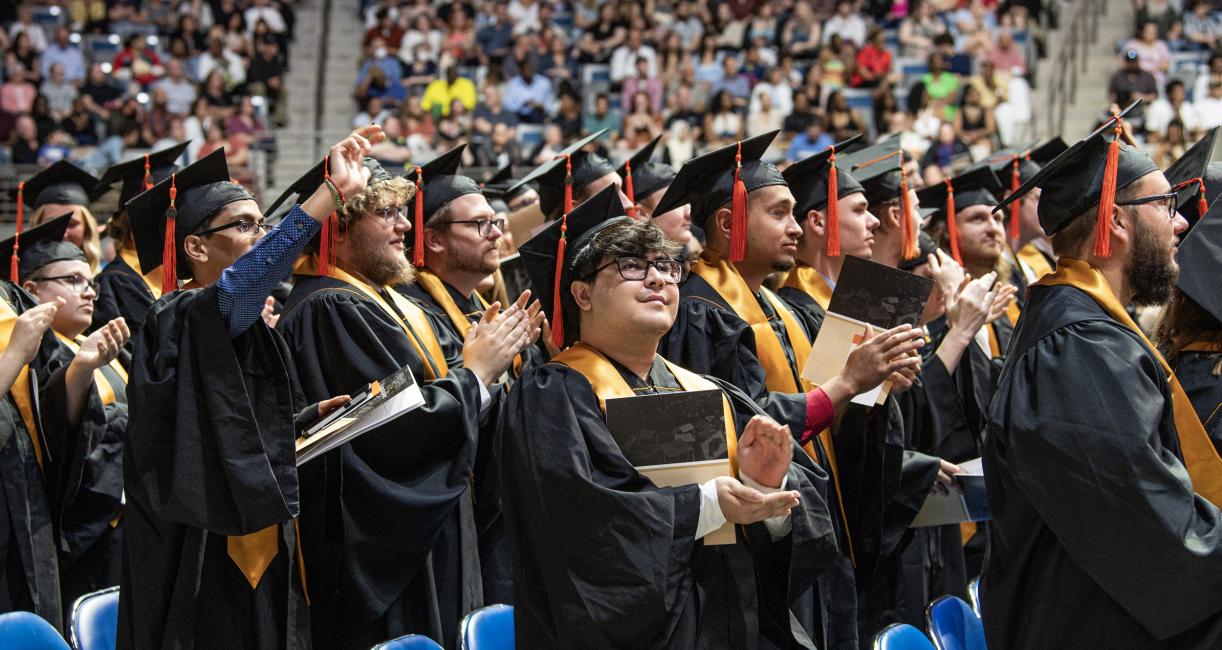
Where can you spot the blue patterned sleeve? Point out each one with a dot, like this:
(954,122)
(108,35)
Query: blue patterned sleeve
(245,286)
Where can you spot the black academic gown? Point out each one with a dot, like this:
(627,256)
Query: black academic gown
(709,338)
(1199,375)
(121,292)
(605,559)
(389,532)
(1097,540)
(209,454)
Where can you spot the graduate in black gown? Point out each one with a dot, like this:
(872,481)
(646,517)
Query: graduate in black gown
(1029,251)
(388,522)
(123,289)
(588,172)
(210,548)
(1197,176)
(645,183)
(731,327)
(91,506)
(1103,485)
(603,558)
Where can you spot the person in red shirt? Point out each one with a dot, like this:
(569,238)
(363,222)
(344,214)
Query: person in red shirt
(140,59)
(387,29)
(873,61)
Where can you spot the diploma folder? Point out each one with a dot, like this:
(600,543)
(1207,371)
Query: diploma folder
(674,439)
(971,504)
(868,293)
(380,402)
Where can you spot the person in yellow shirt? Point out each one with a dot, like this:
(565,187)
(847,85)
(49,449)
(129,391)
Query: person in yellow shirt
(440,94)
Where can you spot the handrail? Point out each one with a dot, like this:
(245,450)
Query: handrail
(1081,31)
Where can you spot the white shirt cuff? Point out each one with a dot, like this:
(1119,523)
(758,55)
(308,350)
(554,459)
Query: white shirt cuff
(778,527)
(711,516)
(485,398)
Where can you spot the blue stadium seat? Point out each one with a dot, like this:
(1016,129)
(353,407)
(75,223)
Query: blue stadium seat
(27,631)
(529,136)
(593,73)
(488,628)
(409,642)
(901,636)
(102,48)
(953,625)
(95,620)
(858,98)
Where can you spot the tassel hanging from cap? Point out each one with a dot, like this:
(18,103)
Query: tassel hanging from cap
(1017,206)
(418,222)
(169,250)
(628,189)
(1202,204)
(952,228)
(1107,196)
(833,207)
(329,237)
(148,173)
(907,227)
(557,320)
(738,211)
(15,259)
(568,184)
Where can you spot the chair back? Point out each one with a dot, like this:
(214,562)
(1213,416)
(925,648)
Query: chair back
(488,628)
(901,636)
(953,625)
(28,631)
(409,642)
(95,620)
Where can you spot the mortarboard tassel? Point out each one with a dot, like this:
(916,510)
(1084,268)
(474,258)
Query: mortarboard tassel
(907,227)
(1202,204)
(148,173)
(738,211)
(13,261)
(557,321)
(418,223)
(1107,196)
(169,249)
(327,240)
(833,207)
(952,228)
(628,191)
(1017,206)
(568,183)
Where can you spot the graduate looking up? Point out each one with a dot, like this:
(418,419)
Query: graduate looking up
(604,558)
(1095,460)
(211,557)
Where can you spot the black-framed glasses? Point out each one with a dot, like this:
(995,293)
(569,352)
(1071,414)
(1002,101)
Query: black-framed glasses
(75,281)
(1169,199)
(391,213)
(483,225)
(243,226)
(637,268)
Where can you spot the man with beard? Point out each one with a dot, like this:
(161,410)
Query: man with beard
(1103,485)
(654,582)
(731,327)
(388,522)
(645,183)
(1030,252)
(573,172)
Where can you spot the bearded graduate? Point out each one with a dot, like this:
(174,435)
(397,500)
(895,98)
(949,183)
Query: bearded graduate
(1100,474)
(604,558)
(731,327)
(1029,252)
(211,553)
(391,539)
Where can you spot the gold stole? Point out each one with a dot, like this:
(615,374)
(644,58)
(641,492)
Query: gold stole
(21,386)
(152,279)
(609,384)
(105,390)
(779,376)
(1034,259)
(436,289)
(807,280)
(1200,456)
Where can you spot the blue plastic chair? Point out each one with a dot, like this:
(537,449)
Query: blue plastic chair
(973,592)
(901,636)
(953,625)
(409,642)
(95,620)
(488,628)
(28,631)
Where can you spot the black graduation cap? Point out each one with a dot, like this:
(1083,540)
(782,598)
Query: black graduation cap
(62,183)
(714,179)
(977,185)
(502,177)
(141,173)
(437,183)
(565,237)
(44,253)
(1190,177)
(48,231)
(182,202)
(1074,181)
(814,180)
(1045,151)
(641,177)
(550,177)
(305,184)
(880,170)
(925,247)
(1200,259)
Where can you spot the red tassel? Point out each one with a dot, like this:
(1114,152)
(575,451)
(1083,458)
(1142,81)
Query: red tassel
(169,250)
(952,228)
(13,261)
(738,211)
(148,174)
(557,321)
(628,191)
(833,207)
(568,184)
(1202,204)
(907,227)
(1107,197)
(1017,206)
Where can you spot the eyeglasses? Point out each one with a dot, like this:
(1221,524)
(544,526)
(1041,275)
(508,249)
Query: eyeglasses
(391,213)
(483,225)
(636,268)
(76,282)
(1169,199)
(244,226)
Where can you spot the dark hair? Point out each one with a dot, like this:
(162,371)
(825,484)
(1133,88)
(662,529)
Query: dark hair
(1184,322)
(1172,84)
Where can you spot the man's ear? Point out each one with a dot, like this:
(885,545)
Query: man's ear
(582,291)
(891,219)
(434,241)
(724,220)
(816,222)
(1123,223)
(196,249)
(30,286)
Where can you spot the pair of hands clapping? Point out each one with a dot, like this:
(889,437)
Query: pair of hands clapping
(493,342)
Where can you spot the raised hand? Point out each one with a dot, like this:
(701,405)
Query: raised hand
(535,316)
(743,505)
(764,451)
(971,308)
(881,355)
(1003,297)
(492,343)
(29,328)
(347,159)
(948,275)
(104,345)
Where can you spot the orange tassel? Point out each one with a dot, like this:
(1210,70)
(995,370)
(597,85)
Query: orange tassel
(418,225)
(833,207)
(628,191)
(148,174)
(568,184)
(557,322)
(169,251)
(738,211)
(13,261)
(907,227)
(1017,206)
(1107,197)
(952,228)
(1202,204)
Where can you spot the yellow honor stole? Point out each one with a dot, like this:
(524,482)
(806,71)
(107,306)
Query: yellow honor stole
(105,389)
(1035,260)
(21,386)
(808,281)
(152,279)
(1200,456)
(436,289)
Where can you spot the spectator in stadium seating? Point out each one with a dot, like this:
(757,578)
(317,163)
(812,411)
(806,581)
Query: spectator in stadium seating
(918,30)
(1209,107)
(1171,145)
(179,91)
(1008,56)
(835,62)
(624,58)
(941,85)
(603,117)
(568,114)
(800,117)
(883,104)
(217,58)
(81,124)
(189,31)
(1152,52)
(809,142)
(266,77)
(708,62)
(973,26)
(731,29)
(608,33)
(220,100)
(495,39)
(873,61)
(67,55)
(423,40)
(1210,71)
(1202,27)
(992,85)
(157,117)
(375,112)
(17,94)
(235,37)
(491,112)
(529,95)
(558,63)
(388,31)
(99,93)
(138,61)
(733,83)
(642,82)
(1131,82)
(499,150)
(1174,105)
(441,93)
(680,108)
(41,112)
(195,126)
(25,141)
(763,26)
(847,23)
(948,149)
(763,117)
(723,124)
(780,93)
(842,121)
(264,10)
(25,25)
(26,57)
(113,149)
(642,123)
(1162,13)
(687,25)
(975,124)
(525,15)
(459,38)
(244,126)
